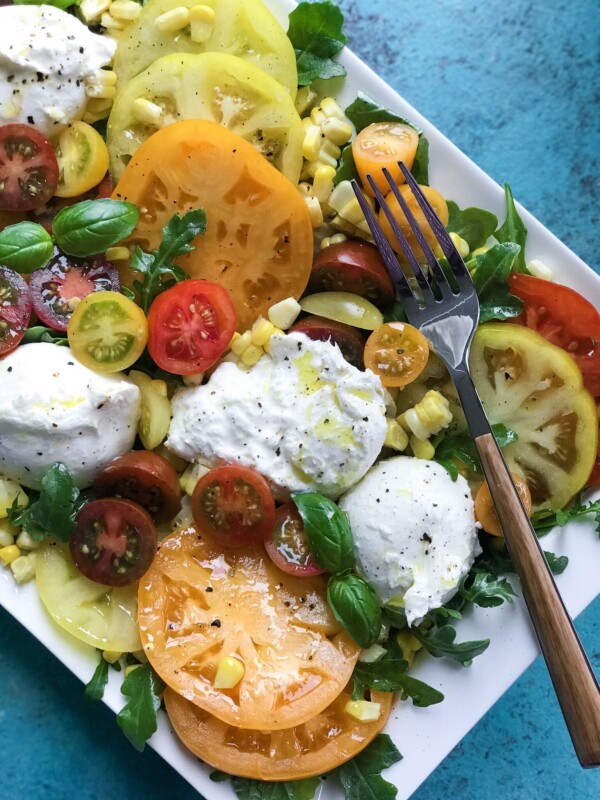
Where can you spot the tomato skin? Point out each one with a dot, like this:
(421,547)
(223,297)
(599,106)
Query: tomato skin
(350,341)
(355,267)
(287,545)
(82,159)
(485,513)
(15,309)
(234,505)
(384,144)
(190,326)
(28,168)
(565,318)
(397,352)
(45,214)
(114,541)
(146,478)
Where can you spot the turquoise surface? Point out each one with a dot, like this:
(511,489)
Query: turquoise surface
(515,85)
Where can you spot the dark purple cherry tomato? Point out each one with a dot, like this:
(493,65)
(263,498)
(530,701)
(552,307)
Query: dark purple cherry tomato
(28,168)
(15,309)
(350,341)
(56,289)
(288,547)
(352,266)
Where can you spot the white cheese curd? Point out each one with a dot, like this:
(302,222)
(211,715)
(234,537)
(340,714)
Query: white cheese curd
(303,417)
(414,531)
(53,408)
(45,56)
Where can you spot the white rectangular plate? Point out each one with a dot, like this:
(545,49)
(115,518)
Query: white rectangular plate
(423,736)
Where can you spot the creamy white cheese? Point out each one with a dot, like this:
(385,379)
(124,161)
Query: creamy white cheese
(52,408)
(414,533)
(303,417)
(45,56)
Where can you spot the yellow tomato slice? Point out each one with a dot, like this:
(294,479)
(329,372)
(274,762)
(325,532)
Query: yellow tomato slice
(199,603)
(397,352)
(346,307)
(155,411)
(380,145)
(82,159)
(107,332)
(439,206)
(315,747)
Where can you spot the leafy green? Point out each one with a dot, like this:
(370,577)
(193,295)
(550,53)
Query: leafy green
(94,690)
(346,170)
(513,230)
(364,111)
(55,509)
(316,34)
(543,521)
(25,247)
(420,167)
(40,333)
(247,789)
(474,225)
(461,447)
(62,4)
(491,282)
(390,675)
(328,532)
(361,776)
(91,226)
(137,718)
(557,564)
(355,606)
(439,641)
(486,589)
(157,267)
(498,561)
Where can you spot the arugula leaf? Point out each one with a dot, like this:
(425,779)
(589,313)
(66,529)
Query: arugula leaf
(346,170)
(355,606)
(420,167)
(92,226)
(25,247)
(474,225)
(219,777)
(137,718)
(490,278)
(498,561)
(361,776)
(461,447)
(364,111)
(513,230)
(55,509)
(395,313)
(39,333)
(389,675)
(543,521)
(157,267)
(557,564)
(439,642)
(328,532)
(316,34)
(486,589)
(247,789)
(94,690)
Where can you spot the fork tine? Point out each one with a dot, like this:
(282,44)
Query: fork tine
(399,279)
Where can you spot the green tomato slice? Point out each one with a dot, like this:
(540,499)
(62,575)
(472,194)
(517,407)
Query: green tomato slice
(351,309)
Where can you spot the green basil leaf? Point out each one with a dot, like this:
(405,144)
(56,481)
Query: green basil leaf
(361,776)
(316,34)
(440,643)
(355,606)
(25,247)
(474,225)
(389,675)
(490,278)
(486,589)
(94,690)
(513,230)
(364,111)
(247,789)
(327,530)
(137,719)
(40,333)
(92,226)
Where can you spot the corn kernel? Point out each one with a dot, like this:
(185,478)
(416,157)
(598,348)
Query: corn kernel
(6,537)
(323,183)
(331,108)
(480,251)
(251,355)
(103,90)
(276,332)
(312,143)
(427,417)
(125,9)
(202,21)
(461,244)
(422,449)
(309,169)
(111,656)
(229,673)
(10,491)
(194,380)
(307,123)
(98,104)
(372,654)
(305,99)
(241,342)
(539,269)
(363,710)
(395,437)
(173,20)
(337,238)
(132,667)
(26,541)
(9,554)
(117,254)
(336,131)
(23,569)
(178,463)
(284,313)
(314,211)
(352,212)
(317,116)
(261,332)
(341,195)
(191,476)
(325,158)
(92,10)
(92,119)
(305,188)
(356,231)
(147,112)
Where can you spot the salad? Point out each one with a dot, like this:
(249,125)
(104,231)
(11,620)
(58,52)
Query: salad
(152,313)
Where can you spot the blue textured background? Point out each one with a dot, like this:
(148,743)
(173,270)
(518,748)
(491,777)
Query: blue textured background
(515,85)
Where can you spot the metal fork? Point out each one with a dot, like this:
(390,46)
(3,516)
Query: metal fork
(448,317)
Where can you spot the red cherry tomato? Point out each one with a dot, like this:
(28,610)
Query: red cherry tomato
(45,215)
(28,168)
(350,341)
(56,288)
(287,545)
(566,319)
(114,541)
(15,309)
(352,267)
(234,505)
(190,326)
(146,478)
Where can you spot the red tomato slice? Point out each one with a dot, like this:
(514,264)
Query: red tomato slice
(350,340)
(594,479)
(353,267)
(56,288)
(566,319)
(234,505)
(287,545)
(114,541)
(190,326)
(28,168)
(15,309)
(45,215)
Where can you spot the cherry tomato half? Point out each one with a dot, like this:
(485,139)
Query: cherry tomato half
(565,318)
(46,213)
(397,352)
(350,341)
(15,309)
(190,326)
(146,478)
(380,145)
(57,288)
(485,513)
(114,541)
(352,267)
(287,545)
(28,168)
(234,505)
(82,158)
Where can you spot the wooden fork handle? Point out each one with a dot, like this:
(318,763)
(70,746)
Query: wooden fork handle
(574,682)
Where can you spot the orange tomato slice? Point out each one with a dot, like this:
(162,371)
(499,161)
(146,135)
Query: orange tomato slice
(485,512)
(315,747)
(259,239)
(380,145)
(397,352)
(439,206)
(199,603)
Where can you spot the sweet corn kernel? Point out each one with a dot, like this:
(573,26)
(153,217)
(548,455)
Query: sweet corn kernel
(427,417)
(307,123)
(9,554)
(102,77)
(173,20)
(461,245)
(331,108)
(372,654)
(309,169)
(305,188)
(330,149)
(147,112)
(92,119)
(240,342)
(111,656)
(356,231)
(284,313)
(314,211)
(261,331)
(202,21)
(363,710)
(194,380)
(317,116)
(23,569)
(305,99)
(6,537)
(92,10)
(352,212)
(539,269)
(229,673)
(132,667)
(179,464)
(324,158)
(103,90)
(337,238)
(395,437)
(191,476)
(98,105)
(422,449)
(10,491)
(323,183)
(251,355)
(125,9)
(480,251)
(312,143)
(336,131)
(117,254)
(26,541)
(276,332)
(342,194)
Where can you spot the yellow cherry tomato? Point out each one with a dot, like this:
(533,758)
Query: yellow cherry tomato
(439,206)
(397,352)
(155,412)
(351,309)
(485,512)
(380,145)
(107,332)
(82,159)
